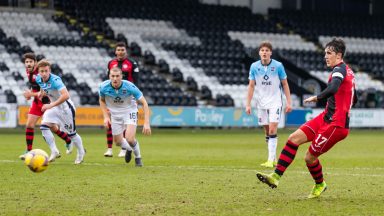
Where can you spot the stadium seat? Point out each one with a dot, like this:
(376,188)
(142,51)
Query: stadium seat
(163,66)
(191,84)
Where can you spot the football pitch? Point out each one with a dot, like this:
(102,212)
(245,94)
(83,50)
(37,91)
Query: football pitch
(191,172)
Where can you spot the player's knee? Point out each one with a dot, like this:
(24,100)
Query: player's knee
(29,128)
(309,158)
(131,141)
(297,137)
(293,138)
(272,129)
(30,124)
(54,128)
(117,140)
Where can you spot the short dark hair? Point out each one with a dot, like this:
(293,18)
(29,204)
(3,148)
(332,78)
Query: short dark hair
(29,55)
(337,45)
(265,44)
(120,44)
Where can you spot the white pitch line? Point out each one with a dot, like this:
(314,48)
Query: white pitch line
(7,161)
(222,168)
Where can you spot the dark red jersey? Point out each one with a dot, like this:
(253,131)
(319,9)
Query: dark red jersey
(129,67)
(337,110)
(35,87)
(32,80)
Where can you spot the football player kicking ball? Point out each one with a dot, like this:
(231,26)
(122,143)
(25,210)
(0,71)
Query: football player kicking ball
(326,129)
(59,113)
(118,96)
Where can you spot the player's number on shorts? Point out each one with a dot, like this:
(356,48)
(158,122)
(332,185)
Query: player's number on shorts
(68,127)
(132,115)
(320,140)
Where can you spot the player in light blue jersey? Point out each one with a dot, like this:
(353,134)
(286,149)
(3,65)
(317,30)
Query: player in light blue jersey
(118,102)
(267,80)
(60,113)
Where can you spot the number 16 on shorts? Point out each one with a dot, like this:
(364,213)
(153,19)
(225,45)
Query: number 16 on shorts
(133,117)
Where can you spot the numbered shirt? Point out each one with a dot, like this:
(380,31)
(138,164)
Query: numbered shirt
(52,88)
(268,89)
(122,100)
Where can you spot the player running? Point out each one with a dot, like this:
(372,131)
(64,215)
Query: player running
(130,70)
(119,97)
(60,113)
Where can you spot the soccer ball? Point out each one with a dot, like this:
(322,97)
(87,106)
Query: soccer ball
(36,160)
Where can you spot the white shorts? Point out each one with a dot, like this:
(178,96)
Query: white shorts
(266,116)
(64,118)
(119,123)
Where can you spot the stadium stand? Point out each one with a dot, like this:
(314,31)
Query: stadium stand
(364,35)
(311,24)
(190,53)
(80,60)
(174,32)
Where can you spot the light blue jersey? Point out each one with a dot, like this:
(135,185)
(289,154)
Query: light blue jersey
(268,91)
(120,101)
(52,88)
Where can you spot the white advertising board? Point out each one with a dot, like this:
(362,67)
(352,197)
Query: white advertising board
(8,114)
(359,117)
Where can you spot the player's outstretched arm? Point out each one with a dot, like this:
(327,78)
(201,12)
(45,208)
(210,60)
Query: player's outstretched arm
(331,89)
(104,109)
(311,99)
(146,127)
(251,89)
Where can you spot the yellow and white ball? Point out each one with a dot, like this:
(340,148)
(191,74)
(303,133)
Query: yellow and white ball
(36,160)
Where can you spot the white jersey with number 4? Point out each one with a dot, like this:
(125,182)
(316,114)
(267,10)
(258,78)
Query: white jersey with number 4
(268,89)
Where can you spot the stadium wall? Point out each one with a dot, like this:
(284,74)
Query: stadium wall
(167,117)
(12,116)
(360,118)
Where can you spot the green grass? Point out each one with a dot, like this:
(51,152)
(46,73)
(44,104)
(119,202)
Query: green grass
(191,172)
